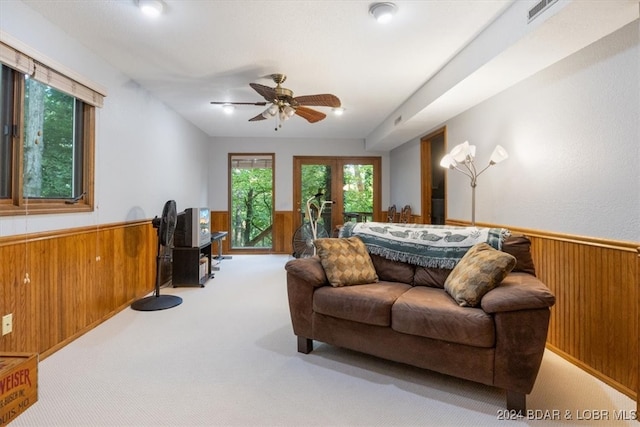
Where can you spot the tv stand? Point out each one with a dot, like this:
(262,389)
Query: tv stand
(187,264)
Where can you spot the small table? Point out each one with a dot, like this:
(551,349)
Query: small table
(217,236)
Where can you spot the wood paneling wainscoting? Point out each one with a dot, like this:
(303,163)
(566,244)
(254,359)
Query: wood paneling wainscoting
(220,222)
(594,323)
(77,278)
(283,232)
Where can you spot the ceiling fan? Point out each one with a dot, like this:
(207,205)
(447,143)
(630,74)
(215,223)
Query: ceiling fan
(284,105)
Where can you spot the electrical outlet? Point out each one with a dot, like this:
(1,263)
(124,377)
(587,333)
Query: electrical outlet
(7,324)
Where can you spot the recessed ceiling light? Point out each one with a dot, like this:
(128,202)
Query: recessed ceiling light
(151,8)
(383,12)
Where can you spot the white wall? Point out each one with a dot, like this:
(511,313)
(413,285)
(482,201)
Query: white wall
(573,135)
(405,185)
(284,149)
(145,152)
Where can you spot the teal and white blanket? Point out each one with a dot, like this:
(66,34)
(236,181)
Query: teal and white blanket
(434,246)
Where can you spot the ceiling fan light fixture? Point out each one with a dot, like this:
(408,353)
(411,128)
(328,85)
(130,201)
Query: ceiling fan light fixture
(284,116)
(383,12)
(338,111)
(151,8)
(228,108)
(289,111)
(270,112)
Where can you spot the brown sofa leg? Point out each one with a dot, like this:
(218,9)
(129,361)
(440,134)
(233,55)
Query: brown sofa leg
(305,345)
(516,401)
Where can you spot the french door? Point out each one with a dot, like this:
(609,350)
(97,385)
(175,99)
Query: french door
(352,183)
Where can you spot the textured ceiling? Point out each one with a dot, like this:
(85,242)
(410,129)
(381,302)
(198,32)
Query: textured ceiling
(200,51)
(426,65)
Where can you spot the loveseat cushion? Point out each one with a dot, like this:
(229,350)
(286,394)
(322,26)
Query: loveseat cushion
(430,312)
(519,246)
(393,271)
(369,304)
(346,261)
(481,269)
(434,277)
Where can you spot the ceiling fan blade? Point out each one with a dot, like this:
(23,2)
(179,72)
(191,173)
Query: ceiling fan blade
(310,115)
(237,103)
(322,100)
(257,118)
(266,92)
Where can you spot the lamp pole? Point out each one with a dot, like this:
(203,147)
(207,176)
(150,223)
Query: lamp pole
(473,202)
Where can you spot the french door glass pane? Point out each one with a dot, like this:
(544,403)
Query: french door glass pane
(252,201)
(6,123)
(357,192)
(316,179)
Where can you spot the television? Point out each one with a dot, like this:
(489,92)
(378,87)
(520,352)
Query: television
(193,228)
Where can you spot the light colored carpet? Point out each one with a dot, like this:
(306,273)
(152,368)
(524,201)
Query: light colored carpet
(227,357)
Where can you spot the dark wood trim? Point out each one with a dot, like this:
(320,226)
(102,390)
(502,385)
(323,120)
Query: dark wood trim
(627,246)
(20,206)
(32,237)
(337,163)
(425,173)
(229,226)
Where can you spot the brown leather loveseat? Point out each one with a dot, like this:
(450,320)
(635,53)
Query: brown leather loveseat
(407,316)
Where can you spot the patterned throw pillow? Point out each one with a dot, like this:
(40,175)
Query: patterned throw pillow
(481,269)
(346,261)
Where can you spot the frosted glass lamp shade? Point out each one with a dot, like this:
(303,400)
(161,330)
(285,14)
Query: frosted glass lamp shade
(270,112)
(499,154)
(472,151)
(289,111)
(447,162)
(460,152)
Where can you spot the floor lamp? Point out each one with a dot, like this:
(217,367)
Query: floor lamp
(462,159)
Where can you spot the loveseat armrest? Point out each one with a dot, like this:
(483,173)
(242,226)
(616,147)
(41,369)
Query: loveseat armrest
(307,270)
(304,276)
(518,291)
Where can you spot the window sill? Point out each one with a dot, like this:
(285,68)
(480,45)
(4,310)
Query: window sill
(42,207)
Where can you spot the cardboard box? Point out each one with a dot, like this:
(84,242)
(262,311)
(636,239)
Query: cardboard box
(18,384)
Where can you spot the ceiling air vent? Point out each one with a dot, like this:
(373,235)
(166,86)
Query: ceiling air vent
(539,8)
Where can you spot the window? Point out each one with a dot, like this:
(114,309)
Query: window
(47,134)
(251,201)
